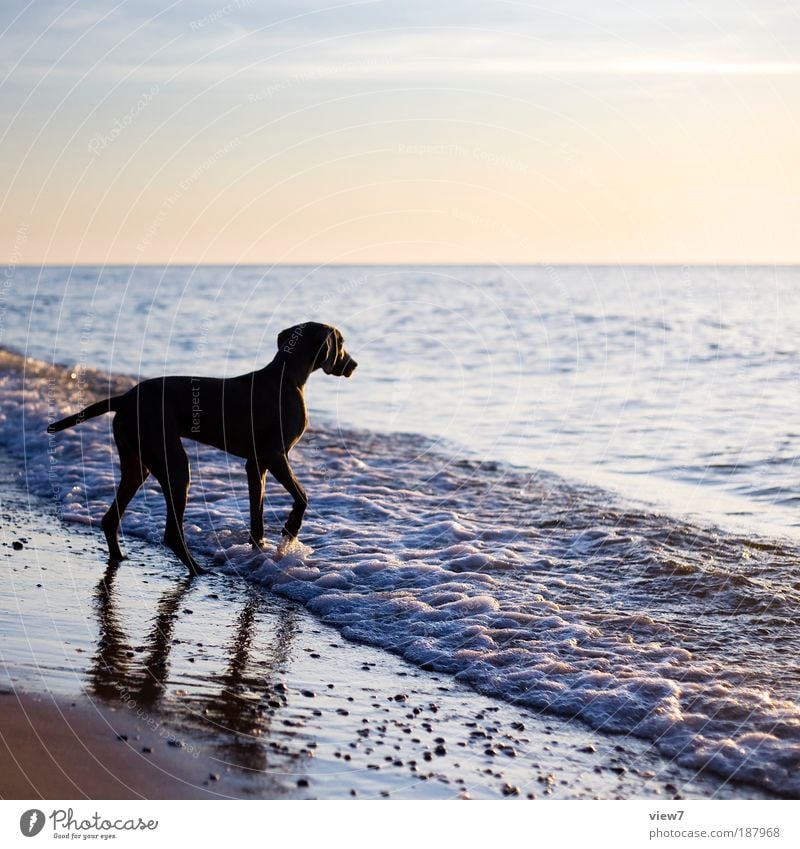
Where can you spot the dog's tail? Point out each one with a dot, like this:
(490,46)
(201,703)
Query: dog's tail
(108,405)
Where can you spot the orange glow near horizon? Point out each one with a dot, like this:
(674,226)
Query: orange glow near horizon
(234,138)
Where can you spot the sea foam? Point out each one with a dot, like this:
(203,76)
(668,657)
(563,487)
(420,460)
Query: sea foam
(539,592)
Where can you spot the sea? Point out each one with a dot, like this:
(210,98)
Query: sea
(574,488)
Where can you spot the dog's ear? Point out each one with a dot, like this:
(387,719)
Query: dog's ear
(330,351)
(284,336)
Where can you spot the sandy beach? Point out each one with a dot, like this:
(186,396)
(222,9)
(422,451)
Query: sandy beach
(135,682)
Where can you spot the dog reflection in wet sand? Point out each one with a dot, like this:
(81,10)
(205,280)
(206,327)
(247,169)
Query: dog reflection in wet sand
(258,416)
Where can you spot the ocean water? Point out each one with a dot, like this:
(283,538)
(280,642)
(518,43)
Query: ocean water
(676,386)
(573,488)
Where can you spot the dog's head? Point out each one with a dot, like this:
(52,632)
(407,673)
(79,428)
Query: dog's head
(322,342)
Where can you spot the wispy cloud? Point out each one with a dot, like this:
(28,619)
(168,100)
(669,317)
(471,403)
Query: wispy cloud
(655,109)
(350,40)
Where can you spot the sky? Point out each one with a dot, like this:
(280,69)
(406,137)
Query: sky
(578,131)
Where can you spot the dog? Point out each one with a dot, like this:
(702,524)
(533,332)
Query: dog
(258,416)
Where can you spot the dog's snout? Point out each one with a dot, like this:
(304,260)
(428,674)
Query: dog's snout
(350,367)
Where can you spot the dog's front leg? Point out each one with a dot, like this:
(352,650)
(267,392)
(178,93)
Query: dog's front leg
(282,472)
(256,473)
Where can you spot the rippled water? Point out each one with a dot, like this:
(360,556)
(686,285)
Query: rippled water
(438,528)
(676,386)
(541,592)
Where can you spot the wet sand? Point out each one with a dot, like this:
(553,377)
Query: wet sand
(137,682)
(54,748)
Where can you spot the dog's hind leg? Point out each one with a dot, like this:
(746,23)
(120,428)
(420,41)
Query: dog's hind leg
(133,474)
(172,472)
(256,473)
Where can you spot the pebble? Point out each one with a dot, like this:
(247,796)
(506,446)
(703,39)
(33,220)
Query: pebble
(510,790)
(309,694)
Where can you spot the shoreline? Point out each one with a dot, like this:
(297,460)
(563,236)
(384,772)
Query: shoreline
(276,703)
(689,501)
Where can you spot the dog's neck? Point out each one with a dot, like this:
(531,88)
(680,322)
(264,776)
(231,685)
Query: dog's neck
(292,369)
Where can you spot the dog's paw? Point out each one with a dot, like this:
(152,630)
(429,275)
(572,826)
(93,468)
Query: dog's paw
(293,549)
(284,546)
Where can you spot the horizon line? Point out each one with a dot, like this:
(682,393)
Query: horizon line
(543,264)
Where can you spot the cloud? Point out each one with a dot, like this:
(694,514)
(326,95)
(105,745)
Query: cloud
(214,39)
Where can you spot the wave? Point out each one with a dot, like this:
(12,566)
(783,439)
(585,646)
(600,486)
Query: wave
(540,592)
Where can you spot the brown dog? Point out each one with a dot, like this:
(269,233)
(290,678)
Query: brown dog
(258,416)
